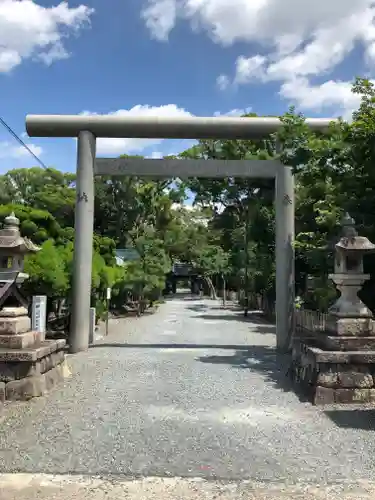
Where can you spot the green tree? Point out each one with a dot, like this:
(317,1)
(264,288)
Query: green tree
(45,189)
(47,274)
(145,277)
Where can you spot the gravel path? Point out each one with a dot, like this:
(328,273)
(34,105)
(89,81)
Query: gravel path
(190,392)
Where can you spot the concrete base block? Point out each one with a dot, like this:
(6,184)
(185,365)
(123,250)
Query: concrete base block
(65,370)
(53,377)
(35,385)
(25,388)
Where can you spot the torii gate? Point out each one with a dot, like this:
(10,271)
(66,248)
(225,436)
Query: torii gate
(88,128)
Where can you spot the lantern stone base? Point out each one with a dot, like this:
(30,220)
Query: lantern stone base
(334,377)
(15,329)
(31,372)
(15,325)
(350,327)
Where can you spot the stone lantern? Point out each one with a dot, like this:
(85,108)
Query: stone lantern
(29,364)
(13,248)
(336,361)
(349,276)
(13,305)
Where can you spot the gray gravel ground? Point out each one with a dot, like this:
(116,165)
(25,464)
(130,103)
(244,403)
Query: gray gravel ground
(190,392)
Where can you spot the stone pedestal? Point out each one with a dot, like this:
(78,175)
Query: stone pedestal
(337,364)
(30,372)
(29,365)
(335,369)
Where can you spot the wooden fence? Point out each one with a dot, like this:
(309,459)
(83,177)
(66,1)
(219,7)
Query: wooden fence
(311,321)
(305,320)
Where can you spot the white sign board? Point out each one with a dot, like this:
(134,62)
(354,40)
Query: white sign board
(127,254)
(109,292)
(39,313)
(92,325)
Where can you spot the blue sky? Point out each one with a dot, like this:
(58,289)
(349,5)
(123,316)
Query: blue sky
(175,57)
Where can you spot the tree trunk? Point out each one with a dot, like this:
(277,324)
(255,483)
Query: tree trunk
(61,304)
(211,287)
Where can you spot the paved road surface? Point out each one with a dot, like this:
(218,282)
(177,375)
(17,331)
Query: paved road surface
(190,392)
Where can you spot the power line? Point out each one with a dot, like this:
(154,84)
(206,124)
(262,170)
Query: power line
(20,141)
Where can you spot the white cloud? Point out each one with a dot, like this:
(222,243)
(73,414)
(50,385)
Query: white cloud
(249,69)
(326,49)
(234,112)
(115,147)
(295,41)
(9,150)
(29,30)
(281,25)
(155,155)
(223,82)
(160,17)
(326,45)
(333,94)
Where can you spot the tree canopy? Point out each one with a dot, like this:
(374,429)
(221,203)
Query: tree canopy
(224,227)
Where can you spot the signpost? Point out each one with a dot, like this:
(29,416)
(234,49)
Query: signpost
(92,325)
(127,254)
(39,314)
(224,291)
(109,293)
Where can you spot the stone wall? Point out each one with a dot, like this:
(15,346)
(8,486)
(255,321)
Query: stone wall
(29,373)
(331,376)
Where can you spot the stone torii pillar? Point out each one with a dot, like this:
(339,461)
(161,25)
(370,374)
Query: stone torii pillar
(284,249)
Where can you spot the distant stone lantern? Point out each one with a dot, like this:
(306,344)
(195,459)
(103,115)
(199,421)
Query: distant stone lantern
(349,276)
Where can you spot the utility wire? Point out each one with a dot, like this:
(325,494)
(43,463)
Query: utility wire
(20,141)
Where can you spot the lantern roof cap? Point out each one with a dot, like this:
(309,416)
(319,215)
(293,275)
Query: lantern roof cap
(350,241)
(10,237)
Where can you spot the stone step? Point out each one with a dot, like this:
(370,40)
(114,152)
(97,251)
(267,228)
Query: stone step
(15,370)
(340,357)
(21,340)
(348,343)
(327,396)
(30,354)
